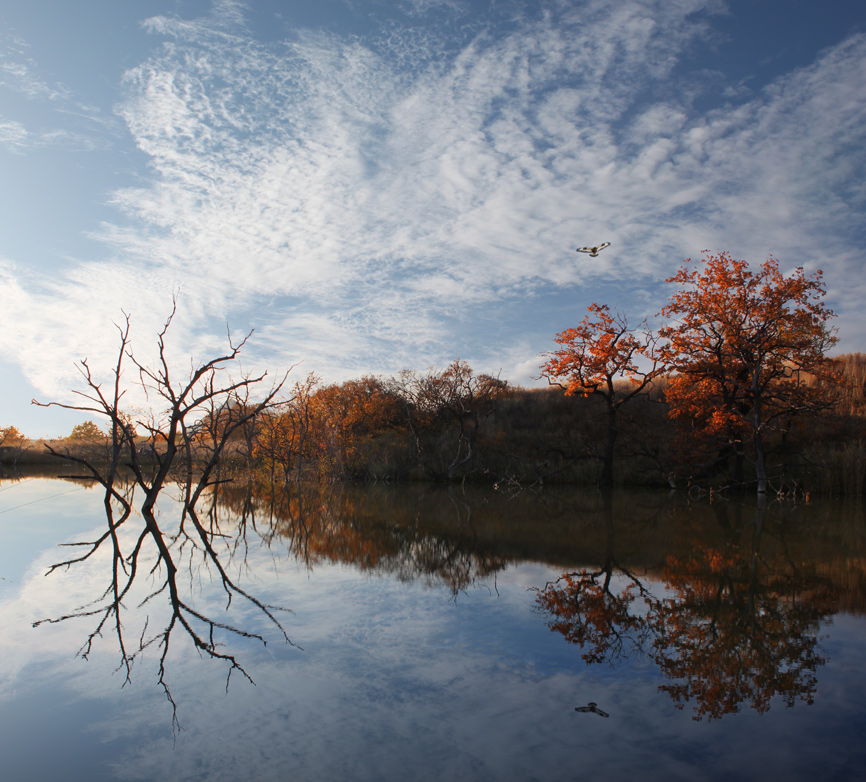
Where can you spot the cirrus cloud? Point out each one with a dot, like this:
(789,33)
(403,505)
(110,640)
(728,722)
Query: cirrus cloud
(376,203)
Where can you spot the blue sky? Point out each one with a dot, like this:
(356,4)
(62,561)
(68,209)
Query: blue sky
(375,186)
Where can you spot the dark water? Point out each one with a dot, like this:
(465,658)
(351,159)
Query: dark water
(438,635)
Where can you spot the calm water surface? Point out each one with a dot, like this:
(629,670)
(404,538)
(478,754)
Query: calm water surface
(443,635)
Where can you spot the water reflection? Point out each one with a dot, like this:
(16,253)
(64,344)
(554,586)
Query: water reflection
(728,601)
(426,535)
(148,558)
(737,624)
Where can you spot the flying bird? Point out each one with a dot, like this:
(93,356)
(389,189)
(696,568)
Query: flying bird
(593,707)
(593,251)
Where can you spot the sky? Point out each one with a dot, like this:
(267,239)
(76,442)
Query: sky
(377,185)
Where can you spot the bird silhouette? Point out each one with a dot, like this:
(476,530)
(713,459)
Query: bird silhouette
(593,707)
(593,251)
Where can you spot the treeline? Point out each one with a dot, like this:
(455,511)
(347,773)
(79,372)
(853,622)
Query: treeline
(455,425)
(445,425)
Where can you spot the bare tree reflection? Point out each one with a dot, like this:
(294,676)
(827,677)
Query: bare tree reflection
(736,624)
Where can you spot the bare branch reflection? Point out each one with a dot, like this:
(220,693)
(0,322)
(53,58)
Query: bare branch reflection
(727,601)
(165,561)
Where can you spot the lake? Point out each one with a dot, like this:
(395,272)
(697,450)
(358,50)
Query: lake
(434,633)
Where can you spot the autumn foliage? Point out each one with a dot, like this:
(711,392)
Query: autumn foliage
(733,623)
(585,609)
(742,360)
(747,352)
(426,425)
(10,436)
(594,356)
(734,636)
(734,390)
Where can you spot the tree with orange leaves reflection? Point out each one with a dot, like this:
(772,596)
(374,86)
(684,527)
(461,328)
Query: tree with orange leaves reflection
(590,612)
(733,631)
(736,633)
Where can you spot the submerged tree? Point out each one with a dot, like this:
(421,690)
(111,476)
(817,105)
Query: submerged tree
(166,452)
(746,348)
(593,360)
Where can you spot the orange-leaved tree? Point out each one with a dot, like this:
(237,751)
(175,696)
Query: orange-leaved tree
(746,348)
(283,438)
(594,356)
(87,432)
(10,436)
(346,417)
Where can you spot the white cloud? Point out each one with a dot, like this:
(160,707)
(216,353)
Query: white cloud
(358,210)
(18,71)
(12,134)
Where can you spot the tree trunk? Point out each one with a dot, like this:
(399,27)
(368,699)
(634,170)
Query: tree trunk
(760,464)
(607,463)
(760,457)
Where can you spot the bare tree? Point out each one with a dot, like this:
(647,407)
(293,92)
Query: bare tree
(167,450)
(455,395)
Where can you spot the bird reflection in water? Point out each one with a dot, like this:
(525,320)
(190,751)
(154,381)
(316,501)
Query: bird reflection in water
(592,706)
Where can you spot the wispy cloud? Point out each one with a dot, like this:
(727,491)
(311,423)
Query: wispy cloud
(13,135)
(68,123)
(370,204)
(18,71)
